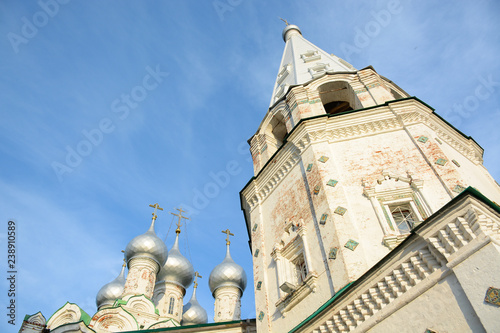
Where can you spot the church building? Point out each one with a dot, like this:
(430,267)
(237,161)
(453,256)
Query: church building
(367,212)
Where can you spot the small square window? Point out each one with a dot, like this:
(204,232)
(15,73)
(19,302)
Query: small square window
(404,217)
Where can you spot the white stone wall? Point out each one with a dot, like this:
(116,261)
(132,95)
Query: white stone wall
(363,148)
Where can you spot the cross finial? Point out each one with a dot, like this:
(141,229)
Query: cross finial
(286,22)
(155,206)
(124,261)
(228,233)
(179,222)
(196,276)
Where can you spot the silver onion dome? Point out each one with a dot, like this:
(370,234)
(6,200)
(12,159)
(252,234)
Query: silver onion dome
(111,291)
(177,269)
(193,313)
(227,274)
(147,245)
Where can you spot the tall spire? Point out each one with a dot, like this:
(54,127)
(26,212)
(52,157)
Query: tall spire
(302,62)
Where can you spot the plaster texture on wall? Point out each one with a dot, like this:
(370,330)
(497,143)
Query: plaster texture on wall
(476,274)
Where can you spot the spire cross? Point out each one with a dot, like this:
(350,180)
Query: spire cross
(228,233)
(196,276)
(124,261)
(286,22)
(155,206)
(179,223)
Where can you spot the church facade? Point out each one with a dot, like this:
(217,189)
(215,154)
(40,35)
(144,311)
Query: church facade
(366,212)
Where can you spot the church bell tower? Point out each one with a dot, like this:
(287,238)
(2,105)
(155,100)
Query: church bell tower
(346,164)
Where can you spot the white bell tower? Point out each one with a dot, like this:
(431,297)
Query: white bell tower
(346,164)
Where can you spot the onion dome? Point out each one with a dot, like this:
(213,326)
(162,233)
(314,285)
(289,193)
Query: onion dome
(111,291)
(177,269)
(147,245)
(227,274)
(193,313)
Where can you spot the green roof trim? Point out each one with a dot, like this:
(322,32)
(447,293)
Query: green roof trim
(234,322)
(321,308)
(85,317)
(118,302)
(345,290)
(26,317)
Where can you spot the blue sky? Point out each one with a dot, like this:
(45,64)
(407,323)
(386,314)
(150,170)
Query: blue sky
(200,74)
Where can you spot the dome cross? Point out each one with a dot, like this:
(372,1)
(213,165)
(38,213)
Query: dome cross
(179,222)
(196,276)
(286,22)
(155,206)
(228,233)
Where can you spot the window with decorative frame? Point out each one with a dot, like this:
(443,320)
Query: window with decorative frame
(399,205)
(295,276)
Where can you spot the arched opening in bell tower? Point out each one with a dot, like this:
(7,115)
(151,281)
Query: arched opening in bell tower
(337,97)
(276,130)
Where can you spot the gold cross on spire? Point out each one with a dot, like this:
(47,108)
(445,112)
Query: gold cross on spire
(124,261)
(196,276)
(228,233)
(286,22)
(155,206)
(179,223)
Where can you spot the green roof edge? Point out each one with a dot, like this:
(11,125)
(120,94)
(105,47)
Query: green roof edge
(321,308)
(154,330)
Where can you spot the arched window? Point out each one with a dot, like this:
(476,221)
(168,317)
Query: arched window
(276,130)
(171,305)
(338,97)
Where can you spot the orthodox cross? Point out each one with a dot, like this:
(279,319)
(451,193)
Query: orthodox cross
(228,233)
(124,261)
(286,22)
(155,206)
(179,223)
(196,276)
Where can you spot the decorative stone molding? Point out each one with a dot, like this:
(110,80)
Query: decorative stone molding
(113,320)
(288,301)
(391,187)
(292,245)
(69,313)
(33,324)
(413,112)
(141,304)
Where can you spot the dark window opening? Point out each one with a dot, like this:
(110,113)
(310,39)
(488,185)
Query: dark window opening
(337,107)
